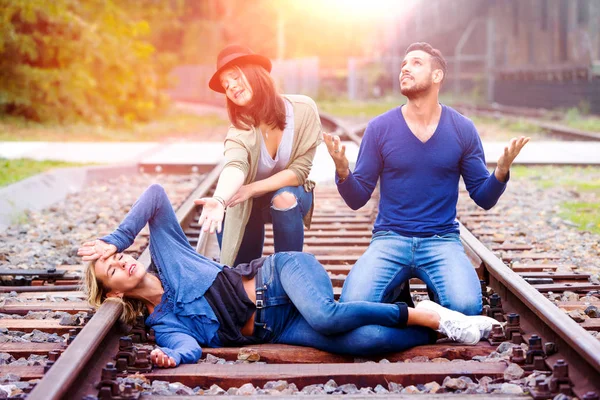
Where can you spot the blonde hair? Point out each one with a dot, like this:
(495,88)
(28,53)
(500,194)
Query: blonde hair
(96,295)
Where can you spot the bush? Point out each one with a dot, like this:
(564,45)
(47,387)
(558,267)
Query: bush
(69,60)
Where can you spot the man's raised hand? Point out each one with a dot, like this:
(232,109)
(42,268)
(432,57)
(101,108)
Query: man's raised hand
(337,151)
(508,156)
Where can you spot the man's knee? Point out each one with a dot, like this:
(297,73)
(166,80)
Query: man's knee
(468,305)
(284,201)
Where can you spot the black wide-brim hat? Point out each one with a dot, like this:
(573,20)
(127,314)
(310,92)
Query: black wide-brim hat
(234,55)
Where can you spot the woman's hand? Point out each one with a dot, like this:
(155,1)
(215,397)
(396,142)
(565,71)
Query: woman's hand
(246,192)
(212,215)
(160,359)
(96,249)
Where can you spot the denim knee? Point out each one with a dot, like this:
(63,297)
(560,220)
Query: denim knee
(322,320)
(284,200)
(471,305)
(156,189)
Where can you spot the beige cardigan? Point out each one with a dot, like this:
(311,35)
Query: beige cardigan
(242,150)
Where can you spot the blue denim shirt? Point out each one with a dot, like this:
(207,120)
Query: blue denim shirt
(183,320)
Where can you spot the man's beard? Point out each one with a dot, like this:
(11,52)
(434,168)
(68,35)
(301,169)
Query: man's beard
(415,91)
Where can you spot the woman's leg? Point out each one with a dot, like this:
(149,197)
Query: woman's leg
(367,340)
(308,286)
(289,205)
(254,236)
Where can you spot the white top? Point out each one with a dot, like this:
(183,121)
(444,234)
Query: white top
(268,166)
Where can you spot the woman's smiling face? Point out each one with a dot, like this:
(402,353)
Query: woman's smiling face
(119,272)
(237,88)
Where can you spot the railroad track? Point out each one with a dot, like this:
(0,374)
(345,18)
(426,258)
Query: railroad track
(92,363)
(534,117)
(539,118)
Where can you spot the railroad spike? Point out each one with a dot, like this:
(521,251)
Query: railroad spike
(541,390)
(138,331)
(486,292)
(512,330)
(497,335)
(53,355)
(518,355)
(72,336)
(495,311)
(48,365)
(108,388)
(560,381)
(130,358)
(535,357)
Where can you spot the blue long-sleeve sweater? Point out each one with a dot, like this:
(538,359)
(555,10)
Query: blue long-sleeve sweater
(419,181)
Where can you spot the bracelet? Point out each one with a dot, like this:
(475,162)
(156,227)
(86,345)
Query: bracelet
(220,200)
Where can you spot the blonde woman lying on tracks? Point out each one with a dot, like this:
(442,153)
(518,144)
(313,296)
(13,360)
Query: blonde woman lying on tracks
(284,298)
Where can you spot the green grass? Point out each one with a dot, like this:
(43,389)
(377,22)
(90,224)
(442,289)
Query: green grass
(342,107)
(174,124)
(12,171)
(582,180)
(348,108)
(577,119)
(548,176)
(585,215)
(519,126)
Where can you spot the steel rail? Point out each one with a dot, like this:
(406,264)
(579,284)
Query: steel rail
(514,116)
(64,372)
(587,347)
(549,127)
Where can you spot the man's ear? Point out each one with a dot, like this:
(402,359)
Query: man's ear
(438,75)
(114,293)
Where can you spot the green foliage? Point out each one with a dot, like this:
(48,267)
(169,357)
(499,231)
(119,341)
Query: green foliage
(520,126)
(578,179)
(70,60)
(579,118)
(14,170)
(347,108)
(585,215)
(171,124)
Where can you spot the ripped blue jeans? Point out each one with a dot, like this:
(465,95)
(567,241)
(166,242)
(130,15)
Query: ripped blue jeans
(288,227)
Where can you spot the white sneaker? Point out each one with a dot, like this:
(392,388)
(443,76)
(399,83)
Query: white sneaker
(485,324)
(456,326)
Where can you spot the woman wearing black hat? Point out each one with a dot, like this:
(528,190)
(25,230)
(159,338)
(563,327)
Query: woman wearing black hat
(269,151)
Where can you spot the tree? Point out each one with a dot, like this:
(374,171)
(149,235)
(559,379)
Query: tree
(69,60)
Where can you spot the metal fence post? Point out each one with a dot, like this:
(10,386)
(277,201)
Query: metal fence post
(352,78)
(490,62)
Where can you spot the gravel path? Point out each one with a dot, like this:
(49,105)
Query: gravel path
(532,204)
(51,237)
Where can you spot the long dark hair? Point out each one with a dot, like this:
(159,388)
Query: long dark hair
(266,105)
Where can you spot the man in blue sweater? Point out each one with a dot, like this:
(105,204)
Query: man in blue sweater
(419,151)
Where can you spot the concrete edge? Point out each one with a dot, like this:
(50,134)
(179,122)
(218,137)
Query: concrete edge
(43,190)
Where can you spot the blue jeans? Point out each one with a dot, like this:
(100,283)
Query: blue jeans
(439,261)
(288,225)
(300,310)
